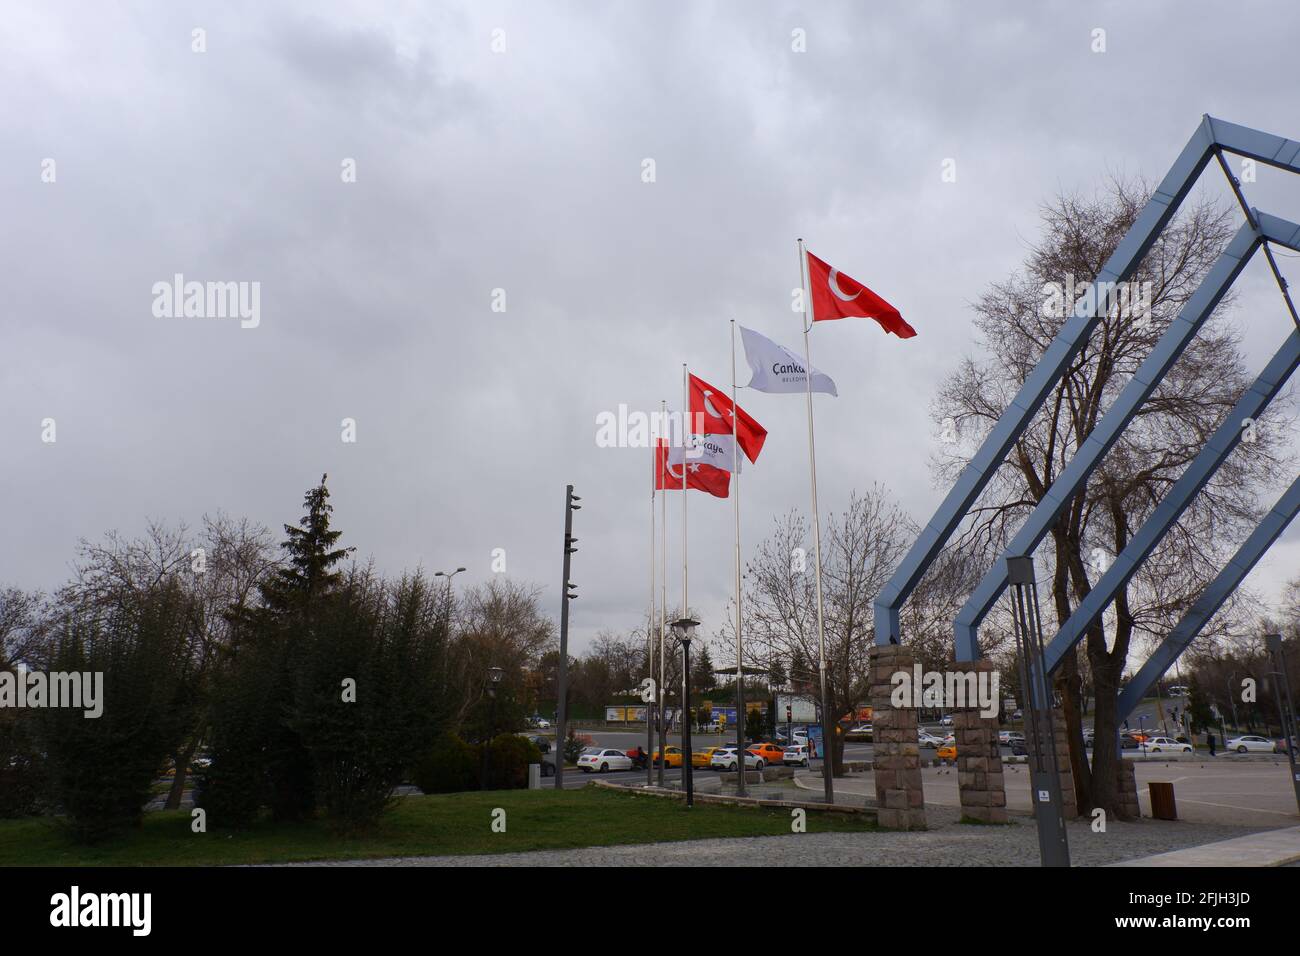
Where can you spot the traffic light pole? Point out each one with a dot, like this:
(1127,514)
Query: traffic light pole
(565,597)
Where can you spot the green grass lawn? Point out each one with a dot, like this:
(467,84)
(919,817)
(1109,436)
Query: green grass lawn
(416,826)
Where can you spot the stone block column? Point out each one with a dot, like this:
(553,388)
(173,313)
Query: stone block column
(897,763)
(980,783)
(1066,772)
(1127,789)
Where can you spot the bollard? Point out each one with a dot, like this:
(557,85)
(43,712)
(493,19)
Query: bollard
(534,776)
(1162,801)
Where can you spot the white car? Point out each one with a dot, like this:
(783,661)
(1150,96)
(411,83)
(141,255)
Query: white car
(1157,744)
(725,759)
(926,739)
(1250,744)
(796,755)
(946,720)
(603,760)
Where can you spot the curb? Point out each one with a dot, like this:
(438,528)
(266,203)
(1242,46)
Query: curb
(735,801)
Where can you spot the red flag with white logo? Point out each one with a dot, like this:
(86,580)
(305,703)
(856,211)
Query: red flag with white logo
(699,476)
(713,408)
(837,296)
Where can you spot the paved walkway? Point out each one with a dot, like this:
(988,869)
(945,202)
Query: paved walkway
(1270,848)
(1234,792)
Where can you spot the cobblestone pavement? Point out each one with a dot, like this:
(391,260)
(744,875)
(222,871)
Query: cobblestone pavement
(947,843)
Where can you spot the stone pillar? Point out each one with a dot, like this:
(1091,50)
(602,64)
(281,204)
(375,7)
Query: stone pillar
(979,760)
(1068,803)
(1127,790)
(900,803)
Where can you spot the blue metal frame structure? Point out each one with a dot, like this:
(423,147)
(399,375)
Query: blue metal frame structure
(1211,599)
(1211,138)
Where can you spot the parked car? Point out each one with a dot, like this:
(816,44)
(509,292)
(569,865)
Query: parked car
(946,752)
(541,743)
(725,759)
(1250,744)
(671,757)
(1017,715)
(1159,744)
(1019,747)
(701,758)
(795,755)
(541,723)
(548,768)
(602,760)
(1279,745)
(926,739)
(770,753)
(1129,742)
(946,720)
(1008,738)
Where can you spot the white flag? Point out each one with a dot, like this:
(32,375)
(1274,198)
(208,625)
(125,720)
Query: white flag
(777,369)
(715,450)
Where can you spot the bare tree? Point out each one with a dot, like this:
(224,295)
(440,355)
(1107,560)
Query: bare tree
(1172,427)
(860,549)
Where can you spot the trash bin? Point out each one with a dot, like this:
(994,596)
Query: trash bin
(1162,801)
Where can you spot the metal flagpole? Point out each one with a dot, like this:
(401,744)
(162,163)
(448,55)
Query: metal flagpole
(663,593)
(735,507)
(650,621)
(828,720)
(686,411)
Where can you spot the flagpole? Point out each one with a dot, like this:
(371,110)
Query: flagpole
(650,621)
(735,507)
(686,412)
(663,592)
(828,755)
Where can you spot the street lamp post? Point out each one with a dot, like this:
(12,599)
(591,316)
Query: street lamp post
(494,678)
(1285,707)
(684,631)
(448,575)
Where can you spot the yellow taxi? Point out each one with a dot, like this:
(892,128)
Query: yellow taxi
(671,756)
(947,752)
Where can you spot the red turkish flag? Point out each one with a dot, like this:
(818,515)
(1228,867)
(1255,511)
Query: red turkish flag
(699,476)
(713,408)
(837,296)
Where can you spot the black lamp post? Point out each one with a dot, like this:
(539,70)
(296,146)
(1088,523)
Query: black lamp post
(684,631)
(494,678)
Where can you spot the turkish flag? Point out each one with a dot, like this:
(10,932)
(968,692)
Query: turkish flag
(712,408)
(699,476)
(836,296)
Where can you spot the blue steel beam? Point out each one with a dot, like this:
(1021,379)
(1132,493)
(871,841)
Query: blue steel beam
(1074,476)
(1212,134)
(1211,599)
(1189,484)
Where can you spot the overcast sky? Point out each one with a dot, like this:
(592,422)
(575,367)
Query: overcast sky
(520,169)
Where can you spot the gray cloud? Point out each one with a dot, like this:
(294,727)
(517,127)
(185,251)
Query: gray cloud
(521,171)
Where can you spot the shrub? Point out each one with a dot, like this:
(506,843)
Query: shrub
(450,766)
(102,769)
(508,758)
(575,744)
(22,766)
